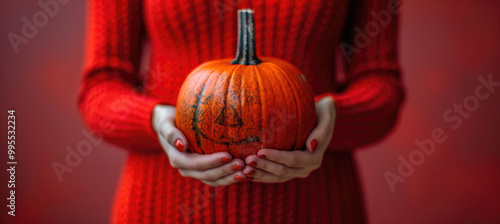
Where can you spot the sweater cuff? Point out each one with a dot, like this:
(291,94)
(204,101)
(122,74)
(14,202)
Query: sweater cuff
(140,114)
(366,111)
(329,94)
(122,115)
(321,96)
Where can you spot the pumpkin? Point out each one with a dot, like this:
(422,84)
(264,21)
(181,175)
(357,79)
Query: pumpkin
(242,105)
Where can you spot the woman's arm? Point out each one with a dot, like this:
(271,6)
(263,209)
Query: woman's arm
(369,105)
(112,107)
(362,113)
(108,100)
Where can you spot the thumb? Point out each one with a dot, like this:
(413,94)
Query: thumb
(322,134)
(317,138)
(174,136)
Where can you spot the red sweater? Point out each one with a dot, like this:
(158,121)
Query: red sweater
(116,101)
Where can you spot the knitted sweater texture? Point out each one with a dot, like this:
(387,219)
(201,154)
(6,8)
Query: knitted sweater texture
(116,99)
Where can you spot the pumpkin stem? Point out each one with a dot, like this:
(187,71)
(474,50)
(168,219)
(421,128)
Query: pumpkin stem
(245,54)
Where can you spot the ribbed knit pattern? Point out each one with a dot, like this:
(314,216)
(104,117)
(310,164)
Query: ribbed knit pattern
(116,101)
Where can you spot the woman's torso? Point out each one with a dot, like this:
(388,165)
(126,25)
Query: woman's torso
(185,34)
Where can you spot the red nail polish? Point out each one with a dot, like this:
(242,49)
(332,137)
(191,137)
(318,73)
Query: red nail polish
(249,178)
(262,156)
(238,178)
(314,144)
(237,167)
(252,164)
(224,160)
(179,145)
(250,173)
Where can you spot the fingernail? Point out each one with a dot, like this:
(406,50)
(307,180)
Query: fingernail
(237,167)
(314,144)
(179,145)
(238,178)
(249,178)
(262,156)
(224,160)
(250,173)
(252,164)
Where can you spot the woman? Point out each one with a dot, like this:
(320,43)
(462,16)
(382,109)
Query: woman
(163,182)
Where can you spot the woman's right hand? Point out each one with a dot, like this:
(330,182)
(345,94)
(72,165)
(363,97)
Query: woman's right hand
(217,169)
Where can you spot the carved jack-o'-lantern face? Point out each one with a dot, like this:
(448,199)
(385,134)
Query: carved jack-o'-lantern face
(243,105)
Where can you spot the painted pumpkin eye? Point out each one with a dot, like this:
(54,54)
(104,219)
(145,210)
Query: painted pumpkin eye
(242,105)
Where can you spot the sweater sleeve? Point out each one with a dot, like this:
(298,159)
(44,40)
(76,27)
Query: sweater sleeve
(369,103)
(109,100)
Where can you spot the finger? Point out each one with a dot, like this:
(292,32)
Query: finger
(194,161)
(268,166)
(249,171)
(200,162)
(173,135)
(213,174)
(262,176)
(295,158)
(322,133)
(227,180)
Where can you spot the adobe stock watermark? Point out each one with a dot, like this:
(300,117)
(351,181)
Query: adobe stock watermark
(427,146)
(266,135)
(75,154)
(94,138)
(221,7)
(202,200)
(31,26)
(372,29)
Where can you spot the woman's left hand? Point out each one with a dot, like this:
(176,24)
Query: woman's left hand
(273,166)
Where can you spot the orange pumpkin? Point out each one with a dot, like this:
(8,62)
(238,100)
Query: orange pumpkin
(242,105)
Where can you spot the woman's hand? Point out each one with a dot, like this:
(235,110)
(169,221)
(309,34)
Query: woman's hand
(216,169)
(272,166)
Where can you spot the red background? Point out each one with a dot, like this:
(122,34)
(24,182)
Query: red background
(445,46)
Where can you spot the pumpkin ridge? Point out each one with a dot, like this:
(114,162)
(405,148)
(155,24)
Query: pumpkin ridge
(228,83)
(279,73)
(195,118)
(193,80)
(299,102)
(271,90)
(306,105)
(296,99)
(242,99)
(257,137)
(250,138)
(254,76)
(261,99)
(201,133)
(215,71)
(213,107)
